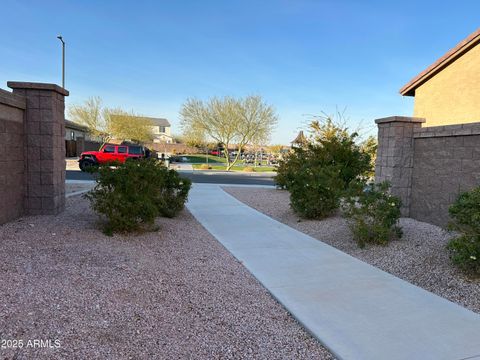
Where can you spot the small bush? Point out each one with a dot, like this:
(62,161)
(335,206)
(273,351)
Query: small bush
(205,167)
(248,169)
(465,248)
(133,194)
(172,193)
(315,193)
(373,214)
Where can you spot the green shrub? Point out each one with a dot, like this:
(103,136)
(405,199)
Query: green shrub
(172,193)
(321,171)
(315,193)
(288,167)
(133,194)
(465,248)
(373,214)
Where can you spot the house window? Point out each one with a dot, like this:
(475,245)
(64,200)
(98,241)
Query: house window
(72,135)
(162,129)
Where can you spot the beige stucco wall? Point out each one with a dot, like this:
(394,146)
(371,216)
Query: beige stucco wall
(156,130)
(162,137)
(452,96)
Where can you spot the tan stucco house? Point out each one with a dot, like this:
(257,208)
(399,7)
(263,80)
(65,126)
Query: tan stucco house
(448,92)
(161,130)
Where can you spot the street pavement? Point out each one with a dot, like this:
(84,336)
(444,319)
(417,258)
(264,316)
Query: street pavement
(197,176)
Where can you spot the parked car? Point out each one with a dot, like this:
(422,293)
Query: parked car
(110,153)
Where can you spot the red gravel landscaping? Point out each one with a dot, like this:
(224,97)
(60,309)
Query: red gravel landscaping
(172,294)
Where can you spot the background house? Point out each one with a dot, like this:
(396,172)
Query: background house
(448,92)
(78,139)
(74,130)
(75,136)
(161,130)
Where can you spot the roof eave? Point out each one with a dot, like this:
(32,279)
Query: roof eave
(460,49)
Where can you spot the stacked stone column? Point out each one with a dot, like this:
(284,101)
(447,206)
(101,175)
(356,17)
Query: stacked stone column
(44,147)
(394,161)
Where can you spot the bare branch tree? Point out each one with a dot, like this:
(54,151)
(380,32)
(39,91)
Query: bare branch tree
(106,123)
(124,125)
(228,121)
(91,115)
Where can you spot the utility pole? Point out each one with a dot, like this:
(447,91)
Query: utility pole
(59,37)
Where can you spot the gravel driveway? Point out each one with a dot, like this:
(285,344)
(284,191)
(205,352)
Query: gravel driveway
(173,294)
(419,257)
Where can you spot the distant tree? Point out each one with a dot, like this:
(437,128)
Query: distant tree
(106,124)
(217,119)
(369,146)
(124,125)
(91,114)
(276,149)
(194,137)
(229,121)
(178,139)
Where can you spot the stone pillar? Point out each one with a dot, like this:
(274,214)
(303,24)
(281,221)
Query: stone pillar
(44,147)
(394,161)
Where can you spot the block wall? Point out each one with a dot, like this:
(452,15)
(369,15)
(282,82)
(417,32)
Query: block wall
(32,149)
(446,163)
(12,159)
(428,167)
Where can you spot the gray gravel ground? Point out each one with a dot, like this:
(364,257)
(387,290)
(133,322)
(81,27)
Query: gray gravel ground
(419,257)
(172,294)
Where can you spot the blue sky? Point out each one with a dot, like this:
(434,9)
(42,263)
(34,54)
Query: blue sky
(303,57)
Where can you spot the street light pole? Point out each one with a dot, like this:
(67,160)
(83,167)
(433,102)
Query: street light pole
(59,37)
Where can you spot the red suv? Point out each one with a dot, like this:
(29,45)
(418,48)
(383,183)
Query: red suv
(111,153)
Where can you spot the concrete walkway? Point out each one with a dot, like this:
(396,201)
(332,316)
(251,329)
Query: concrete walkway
(354,309)
(78,187)
(181,166)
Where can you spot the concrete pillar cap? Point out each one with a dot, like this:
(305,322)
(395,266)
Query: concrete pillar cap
(37,86)
(405,119)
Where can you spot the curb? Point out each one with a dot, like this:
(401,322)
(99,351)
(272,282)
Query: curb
(77,193)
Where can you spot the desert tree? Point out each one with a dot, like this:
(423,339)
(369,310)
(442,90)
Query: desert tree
(257,121)
(276,149)
(216,119)
(108,123)
(229,121)
(91,115)
(369,146)
(194,138)
(126,125)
